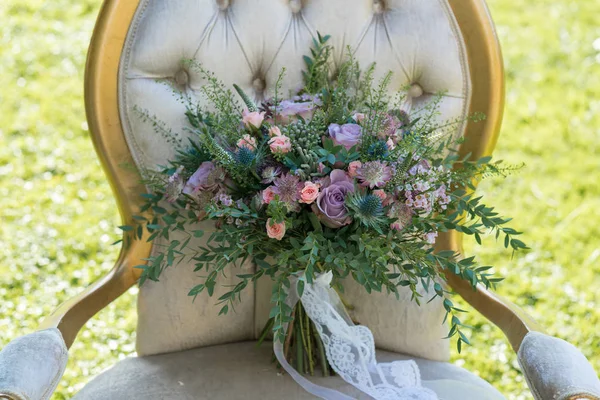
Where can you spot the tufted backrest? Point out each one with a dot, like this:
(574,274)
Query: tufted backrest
(248,42)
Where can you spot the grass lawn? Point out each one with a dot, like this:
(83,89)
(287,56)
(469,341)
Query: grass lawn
(58,217)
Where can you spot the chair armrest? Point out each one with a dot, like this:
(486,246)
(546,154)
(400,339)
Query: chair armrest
(555,369)
(31,366)
(70,316)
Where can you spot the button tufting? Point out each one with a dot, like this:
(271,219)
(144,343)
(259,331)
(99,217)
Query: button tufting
(378,6)
(222,4)
(258,84)
(296,6)
(415,90)
(182,77)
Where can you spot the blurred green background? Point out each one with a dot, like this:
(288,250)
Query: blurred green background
(58,217)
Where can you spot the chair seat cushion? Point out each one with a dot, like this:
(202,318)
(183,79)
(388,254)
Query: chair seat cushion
(245,371)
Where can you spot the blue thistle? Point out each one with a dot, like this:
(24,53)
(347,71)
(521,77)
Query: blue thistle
(245,156)
(367,209)
(370,206)
(378,150)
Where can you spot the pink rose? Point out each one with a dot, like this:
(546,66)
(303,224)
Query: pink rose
(280,144)
(359,117)
(309,193)
(353,168)
(275,230)
(253,119)
(268,195)
(274,131)
(380,193)
(247,141)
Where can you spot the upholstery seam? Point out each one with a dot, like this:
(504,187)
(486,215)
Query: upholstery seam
(525,370)
(124,64)
(239,42)
(285,35)
(207,31)
(394,51)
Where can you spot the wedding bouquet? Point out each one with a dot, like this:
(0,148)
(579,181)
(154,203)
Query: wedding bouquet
(338,180)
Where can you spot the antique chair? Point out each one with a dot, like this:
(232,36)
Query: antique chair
(185,350)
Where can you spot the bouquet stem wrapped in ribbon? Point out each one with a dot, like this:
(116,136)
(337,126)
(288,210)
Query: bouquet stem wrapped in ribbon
(339,180)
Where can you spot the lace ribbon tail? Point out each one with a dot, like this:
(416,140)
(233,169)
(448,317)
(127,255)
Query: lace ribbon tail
(317,390)
(398,380)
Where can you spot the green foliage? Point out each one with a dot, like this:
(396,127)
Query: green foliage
(377,105)
(227,113)
(191,157)
(316,75)
(247,100)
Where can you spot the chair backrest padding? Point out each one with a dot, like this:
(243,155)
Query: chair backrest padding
(248,42)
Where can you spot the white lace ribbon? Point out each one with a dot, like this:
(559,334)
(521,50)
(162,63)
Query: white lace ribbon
(350,350)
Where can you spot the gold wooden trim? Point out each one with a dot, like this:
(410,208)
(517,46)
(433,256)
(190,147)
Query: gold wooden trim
(487,96)
(101,99)
(102,109)
(487,75)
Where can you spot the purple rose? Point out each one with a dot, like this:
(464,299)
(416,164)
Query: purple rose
(347,135)
(330,205)
(288,111)
(207,177)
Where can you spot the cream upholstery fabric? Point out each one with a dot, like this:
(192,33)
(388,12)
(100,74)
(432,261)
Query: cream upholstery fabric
(248,42)
(245,371)
(555,369)
(32,365)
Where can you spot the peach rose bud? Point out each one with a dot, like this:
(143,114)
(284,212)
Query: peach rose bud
(253,119)
(275,230)
(380,193)
(247,141)
(280,144)
(268,195)
(359,117)
(309,193)
(274,131)
(353,168)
